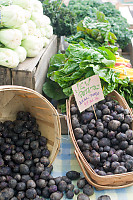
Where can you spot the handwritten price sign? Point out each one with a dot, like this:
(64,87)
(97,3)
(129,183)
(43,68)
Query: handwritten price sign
(88,92)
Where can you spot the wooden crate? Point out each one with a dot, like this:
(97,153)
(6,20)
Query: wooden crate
(32,72)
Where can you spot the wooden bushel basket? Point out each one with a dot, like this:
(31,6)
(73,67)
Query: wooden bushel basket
(17,98)
(100,182)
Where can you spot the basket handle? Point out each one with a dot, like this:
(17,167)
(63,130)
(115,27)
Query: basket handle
(89,180)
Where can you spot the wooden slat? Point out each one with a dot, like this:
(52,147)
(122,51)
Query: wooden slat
(23,78)
(43,65)
(5,76)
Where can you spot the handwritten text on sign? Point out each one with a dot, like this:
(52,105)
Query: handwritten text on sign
(88,92)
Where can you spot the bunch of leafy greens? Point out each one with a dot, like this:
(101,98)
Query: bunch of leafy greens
(62,18)
(121,29)
(125,88)
(119,25)
(94,32)
(84,8)
(78,63)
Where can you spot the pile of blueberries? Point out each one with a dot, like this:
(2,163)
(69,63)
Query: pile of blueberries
(105,137)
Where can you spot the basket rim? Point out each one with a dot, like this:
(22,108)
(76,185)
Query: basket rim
(98,186)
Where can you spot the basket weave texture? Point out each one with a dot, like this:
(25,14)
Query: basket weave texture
(100,182)
(17,98)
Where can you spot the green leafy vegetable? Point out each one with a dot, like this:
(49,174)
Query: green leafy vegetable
(119,25)
(62,19)
(80,62)
(94,32)
(53,90)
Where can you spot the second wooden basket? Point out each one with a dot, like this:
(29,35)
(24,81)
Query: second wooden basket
(101,182)
(17,98)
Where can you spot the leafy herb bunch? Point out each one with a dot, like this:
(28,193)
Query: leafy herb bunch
(80,62)
(62,19)
(119,25)
(94,33)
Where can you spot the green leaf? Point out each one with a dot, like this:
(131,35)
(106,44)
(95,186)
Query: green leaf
(101,17)
(104,73)
(70,66)
(53,90)
(107,53)
(68,91)
(56,62)
(57,59)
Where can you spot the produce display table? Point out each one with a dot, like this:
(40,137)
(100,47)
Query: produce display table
(66,161)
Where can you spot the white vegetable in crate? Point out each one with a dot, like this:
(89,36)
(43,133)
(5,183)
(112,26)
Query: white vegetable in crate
(31,27)
(49,31)
(21,52)
(43,32)
(45,41)
(24,30)
(33,45)
(8,58)
(27,15)
(26,4)
(37,6)
(40,20)
(37,33)
(46,20)
(11,38)
(12,16)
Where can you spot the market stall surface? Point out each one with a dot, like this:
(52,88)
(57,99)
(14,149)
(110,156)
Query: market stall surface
(66,161)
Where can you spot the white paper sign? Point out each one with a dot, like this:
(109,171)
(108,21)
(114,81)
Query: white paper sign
(88,92)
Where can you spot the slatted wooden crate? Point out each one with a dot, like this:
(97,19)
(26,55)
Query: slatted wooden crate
(32,72)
